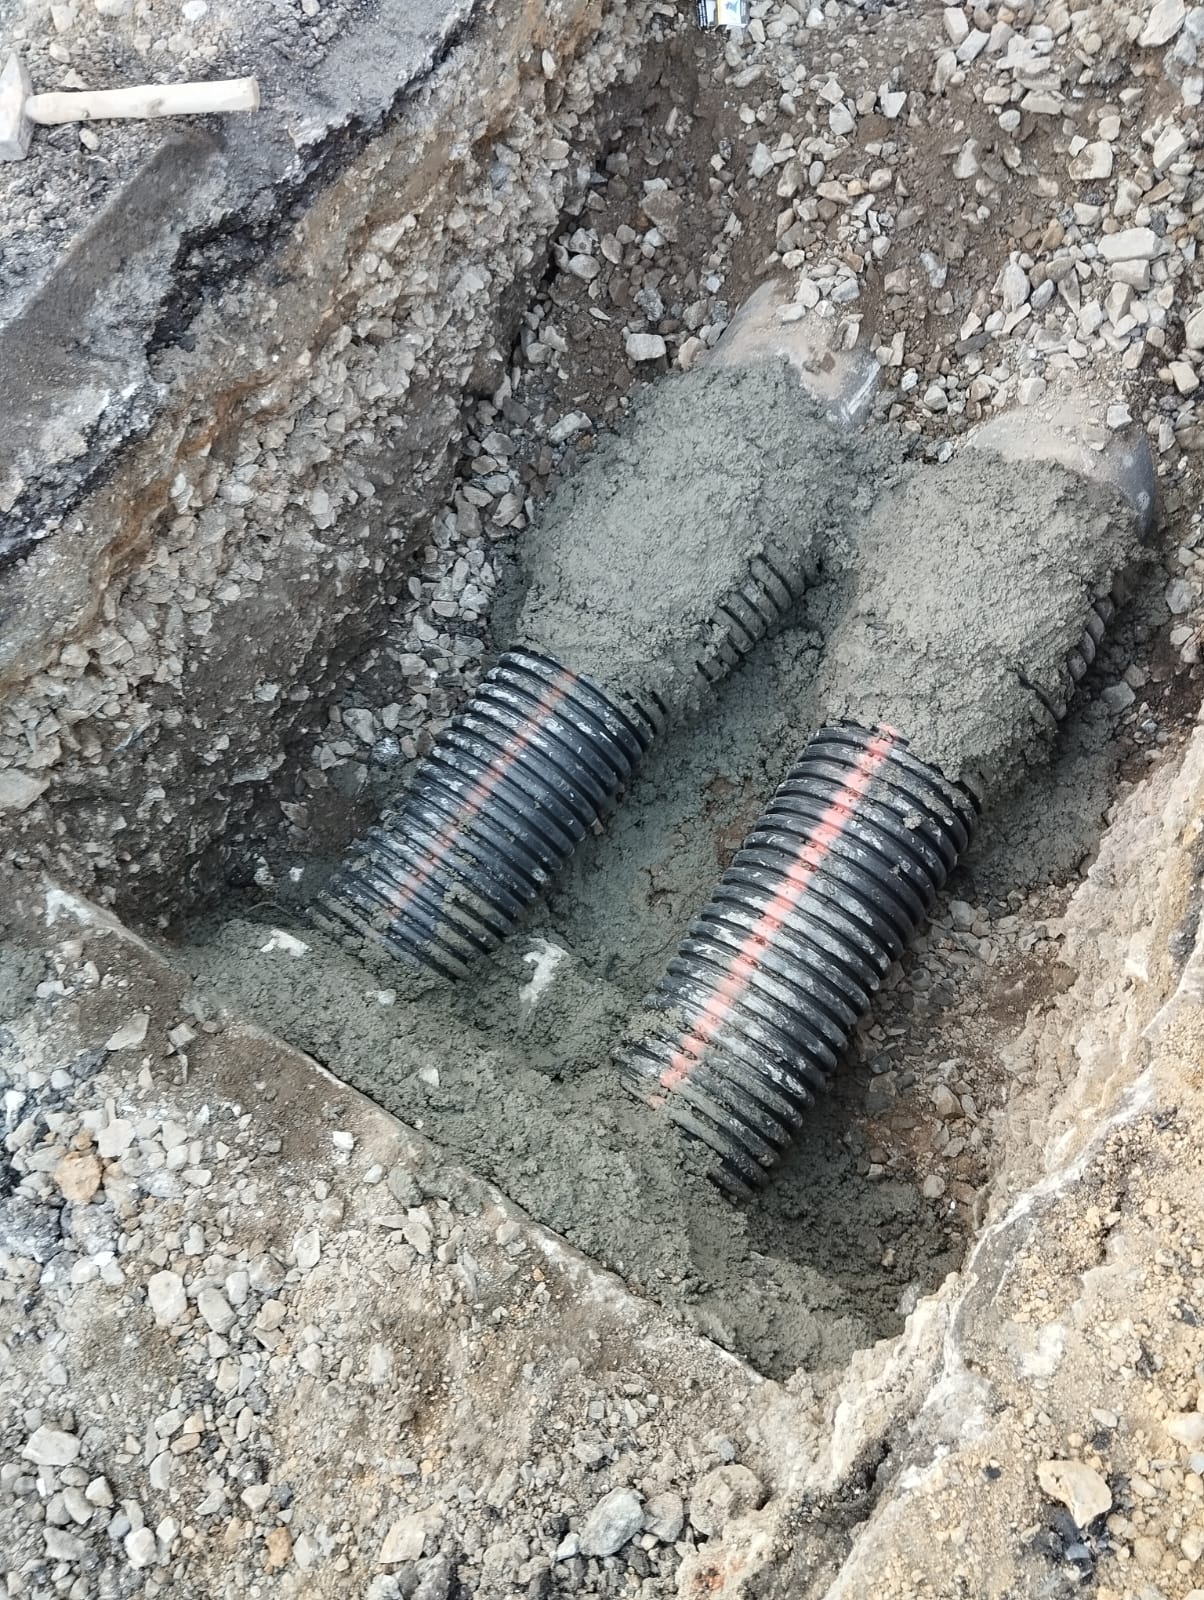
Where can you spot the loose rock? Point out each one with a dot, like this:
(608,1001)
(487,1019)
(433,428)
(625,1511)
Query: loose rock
(616,1518)
(726,1492)
(1076,1486)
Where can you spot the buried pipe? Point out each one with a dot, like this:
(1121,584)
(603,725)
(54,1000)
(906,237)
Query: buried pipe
(541,753)
(533,763)
(756,1009)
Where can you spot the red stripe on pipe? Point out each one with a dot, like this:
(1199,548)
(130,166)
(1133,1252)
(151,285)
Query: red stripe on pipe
(808,859)
(478,796)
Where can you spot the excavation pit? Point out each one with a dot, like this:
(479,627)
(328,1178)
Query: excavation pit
(294,565)
(876,1205)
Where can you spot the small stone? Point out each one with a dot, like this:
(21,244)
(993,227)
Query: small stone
(76,1506)
(51,1447)
(62,1546)
(140,1547)
(945,1103)
(584,267)
(1030,390)
(1183,377)
(1014,286)
(1192,1543)
(1187,1427)
(1162,24)
(404,1540)
(1169,146)
(18,790)
(1130,244)
(725,1492)
(1178,597)
(1093,162)
(761,163)
(573,422)
(617,1517)
(115,1138)
(664,211)
(935,398)
(129,1035)
(1076,1486)
(215,1309)
(645,347)
(1118,697)
(841,120)
(78,1176)
(168,1303)
(664,1517)
(98,1493)
(279,1546)
(956,27)
(307,1249)
(967,163)
(1193,330)
(933,1187)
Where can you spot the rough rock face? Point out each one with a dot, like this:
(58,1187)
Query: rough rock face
(257,434)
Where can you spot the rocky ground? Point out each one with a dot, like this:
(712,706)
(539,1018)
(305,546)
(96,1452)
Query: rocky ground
(248,1348)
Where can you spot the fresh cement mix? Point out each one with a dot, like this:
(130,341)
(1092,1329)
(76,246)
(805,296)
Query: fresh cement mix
(939,596)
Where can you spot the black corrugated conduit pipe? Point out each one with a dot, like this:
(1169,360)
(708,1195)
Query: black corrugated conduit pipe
(533,763)
(606,659)
(755,1011)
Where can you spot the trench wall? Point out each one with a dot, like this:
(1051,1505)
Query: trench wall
(178,620)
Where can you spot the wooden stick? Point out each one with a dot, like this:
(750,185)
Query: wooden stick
(144,100)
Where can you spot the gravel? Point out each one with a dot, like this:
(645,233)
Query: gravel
(992,209)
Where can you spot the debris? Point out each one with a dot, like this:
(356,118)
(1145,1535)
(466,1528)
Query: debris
(617,1518)
(724,1493)
(165,1292)
(78,1176)
(131,1034)
(1165,19)
(51,1447)
(1076,1486)
(645,346)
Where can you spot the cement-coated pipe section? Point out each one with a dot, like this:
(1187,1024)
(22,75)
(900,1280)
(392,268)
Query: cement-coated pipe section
(675,549)
(756,1009)
(532,764)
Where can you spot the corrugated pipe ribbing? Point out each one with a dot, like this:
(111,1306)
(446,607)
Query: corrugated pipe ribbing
(757,1006)
(533,763)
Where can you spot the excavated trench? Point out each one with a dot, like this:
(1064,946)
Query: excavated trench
(510,1072)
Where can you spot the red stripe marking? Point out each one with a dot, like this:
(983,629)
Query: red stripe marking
(478,796)
(806,862)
